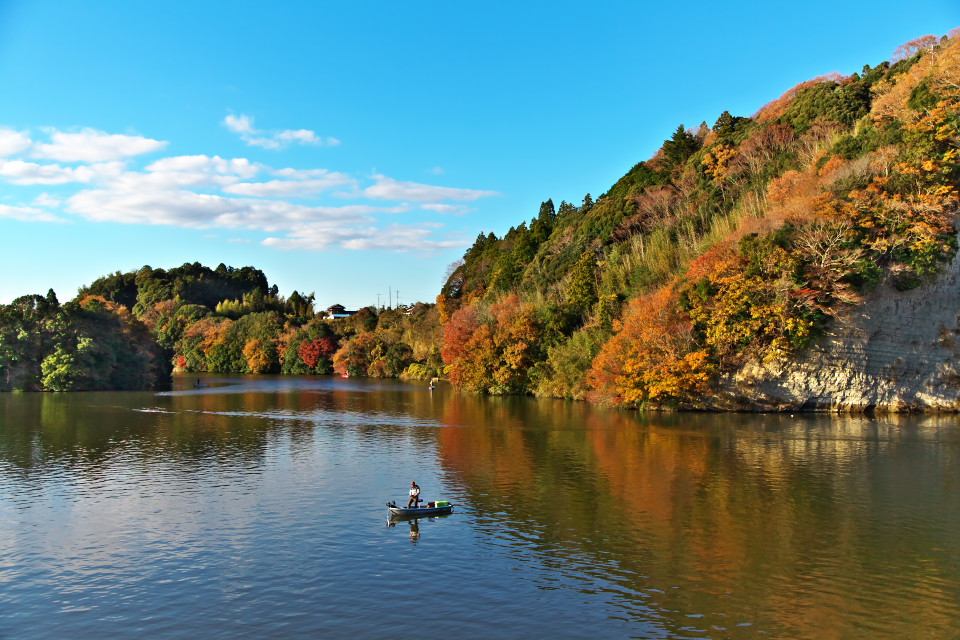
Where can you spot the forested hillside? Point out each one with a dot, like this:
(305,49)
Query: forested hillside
(128,330)
(738,241)
(86,344)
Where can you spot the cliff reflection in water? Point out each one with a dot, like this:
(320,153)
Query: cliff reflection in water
(805,526)
(801,524)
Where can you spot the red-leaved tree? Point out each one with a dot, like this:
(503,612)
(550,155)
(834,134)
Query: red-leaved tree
(311,351)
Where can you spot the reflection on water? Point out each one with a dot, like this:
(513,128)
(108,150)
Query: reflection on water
(413,524)
(807,524)
(254,506)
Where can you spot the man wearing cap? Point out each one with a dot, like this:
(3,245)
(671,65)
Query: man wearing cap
(414,495)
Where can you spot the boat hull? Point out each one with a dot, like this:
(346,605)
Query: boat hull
(423,512)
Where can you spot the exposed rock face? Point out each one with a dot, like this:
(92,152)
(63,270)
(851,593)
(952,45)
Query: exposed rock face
(897,352)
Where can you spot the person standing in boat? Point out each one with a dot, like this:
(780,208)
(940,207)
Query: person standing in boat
(414,495)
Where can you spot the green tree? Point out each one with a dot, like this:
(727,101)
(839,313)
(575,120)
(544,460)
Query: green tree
(60,371)
(680,146)
(728,127)
(582,289)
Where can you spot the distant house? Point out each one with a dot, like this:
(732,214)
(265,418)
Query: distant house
(338,311)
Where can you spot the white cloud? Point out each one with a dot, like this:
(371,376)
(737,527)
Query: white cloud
(266,143)
(304,136)
(225,195)
(437,171)
(243,126)
(240,167)
(290,188)
(300,174)
(47,200)
(402,239)
(205,171)
(314,238)
(398,238)
(456,209)
(161,207)
(90,145)
(197,210)
(28,173)
(12,142)
(300,136)
(303,227)
(390,189)
(189,171)
(240,124)
(27,214)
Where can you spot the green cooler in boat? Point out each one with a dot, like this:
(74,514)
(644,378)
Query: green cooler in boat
(443,503)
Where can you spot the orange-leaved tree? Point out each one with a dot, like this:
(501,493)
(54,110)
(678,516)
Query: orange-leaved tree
(258,356)
(354,356)
(653,359)
(492,349)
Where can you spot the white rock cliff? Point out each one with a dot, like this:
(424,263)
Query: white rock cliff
(896,352)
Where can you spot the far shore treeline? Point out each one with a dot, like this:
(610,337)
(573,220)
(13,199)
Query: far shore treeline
(129,330)
(737,242)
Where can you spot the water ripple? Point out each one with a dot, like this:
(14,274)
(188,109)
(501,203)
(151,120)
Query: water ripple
(228,515)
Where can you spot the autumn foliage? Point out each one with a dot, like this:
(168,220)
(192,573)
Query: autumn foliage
(654,358)
(492,348)
(311,351)
(733,244)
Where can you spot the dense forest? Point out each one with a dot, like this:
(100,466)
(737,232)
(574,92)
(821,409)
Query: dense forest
(88,343)
(129,330)
(738,241)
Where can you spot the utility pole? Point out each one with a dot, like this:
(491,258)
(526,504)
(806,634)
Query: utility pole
(390,299)
(378,303)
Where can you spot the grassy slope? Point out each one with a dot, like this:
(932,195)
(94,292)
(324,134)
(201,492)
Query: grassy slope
(762,228)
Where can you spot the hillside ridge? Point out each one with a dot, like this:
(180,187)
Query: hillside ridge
(736,252)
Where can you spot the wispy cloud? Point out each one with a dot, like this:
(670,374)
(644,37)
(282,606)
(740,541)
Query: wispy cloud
(27,214)
(456,209)
(12,142)
(90,145)
(47,200)
(200,210)
(289,208)
(398,238)
(390,189)
(298,187)
(240,167)
(189,172)
(243,126)
(30,173)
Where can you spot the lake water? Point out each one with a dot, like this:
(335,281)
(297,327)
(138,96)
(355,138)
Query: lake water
(255,508)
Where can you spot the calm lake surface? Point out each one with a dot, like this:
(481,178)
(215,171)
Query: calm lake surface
(255,508)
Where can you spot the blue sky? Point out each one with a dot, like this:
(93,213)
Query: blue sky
(356,149)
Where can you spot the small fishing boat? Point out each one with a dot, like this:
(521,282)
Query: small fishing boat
(438,508)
